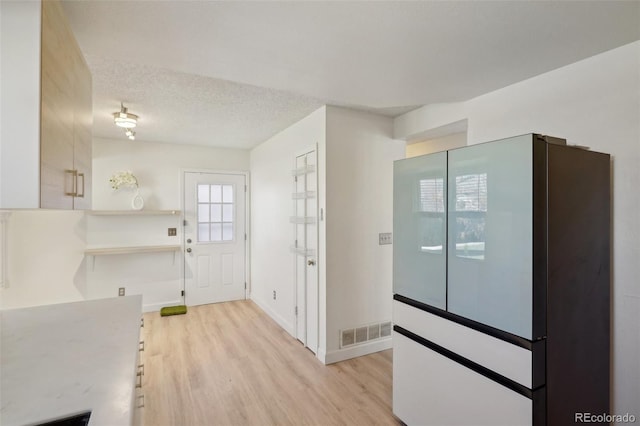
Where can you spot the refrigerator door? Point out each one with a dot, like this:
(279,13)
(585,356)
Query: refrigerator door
(490,234)
(419,227)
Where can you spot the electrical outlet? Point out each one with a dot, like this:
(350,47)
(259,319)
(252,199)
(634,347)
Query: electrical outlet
(385,238)
(274,295)
(121,291)
(173,232)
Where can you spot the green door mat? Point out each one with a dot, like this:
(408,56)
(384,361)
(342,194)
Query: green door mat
(173,310)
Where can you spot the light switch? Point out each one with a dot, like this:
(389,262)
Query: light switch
(385,238)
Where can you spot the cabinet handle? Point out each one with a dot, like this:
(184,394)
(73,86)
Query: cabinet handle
(141,369)
(139,384)
(141,398)
(74,183)
(77,176)
(141,347)
(141,322)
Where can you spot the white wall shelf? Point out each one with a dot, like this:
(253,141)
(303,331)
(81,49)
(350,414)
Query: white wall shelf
(303,252)
(304,170)
(303,195)
(119,250)
(302,219)
(105,251)
(133,212)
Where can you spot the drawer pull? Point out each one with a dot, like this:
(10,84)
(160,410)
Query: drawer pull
(141,369)
(141,346)
(140,401)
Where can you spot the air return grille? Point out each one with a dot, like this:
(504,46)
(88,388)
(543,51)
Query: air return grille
(365,333)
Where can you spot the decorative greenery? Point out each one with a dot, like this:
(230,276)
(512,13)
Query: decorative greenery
(123,179)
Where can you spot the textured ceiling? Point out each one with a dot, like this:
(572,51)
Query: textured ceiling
(235,73)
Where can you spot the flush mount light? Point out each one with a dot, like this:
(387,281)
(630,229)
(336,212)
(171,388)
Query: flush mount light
(125,119)
(130,134)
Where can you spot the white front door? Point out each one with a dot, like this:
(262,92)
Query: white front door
(306,244)
(214,237)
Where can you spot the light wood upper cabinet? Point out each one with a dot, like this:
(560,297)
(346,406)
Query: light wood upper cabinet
(65,116)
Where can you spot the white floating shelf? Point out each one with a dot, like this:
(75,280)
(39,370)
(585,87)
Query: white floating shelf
(133,212)
(104,251)
(304,170)
(303,251)
(302,220)
(303,195)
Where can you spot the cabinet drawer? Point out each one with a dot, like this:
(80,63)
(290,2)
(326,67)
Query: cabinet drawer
(431,389)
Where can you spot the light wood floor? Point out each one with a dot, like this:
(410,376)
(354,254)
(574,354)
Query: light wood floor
(230,364)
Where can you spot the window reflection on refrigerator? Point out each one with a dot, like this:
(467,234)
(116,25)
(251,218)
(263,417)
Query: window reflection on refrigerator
(430,205)
(470,215)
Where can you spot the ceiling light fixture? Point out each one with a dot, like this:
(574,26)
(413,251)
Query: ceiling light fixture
(125,119)
(130,134)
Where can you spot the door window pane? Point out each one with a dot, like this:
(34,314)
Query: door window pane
(227,231)
(215,213)
(227,212)
(203,232)
(203,193)
(216,232)
(203,213)
(227,193)
(216,193)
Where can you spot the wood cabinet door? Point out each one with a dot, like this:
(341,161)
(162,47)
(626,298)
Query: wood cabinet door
(82,134)
(66,116)
(57,110)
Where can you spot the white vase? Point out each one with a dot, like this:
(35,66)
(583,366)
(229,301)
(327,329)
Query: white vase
(137,202)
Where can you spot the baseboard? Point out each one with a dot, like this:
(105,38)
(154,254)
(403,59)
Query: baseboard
(356,351)
(275,316)
(155,307)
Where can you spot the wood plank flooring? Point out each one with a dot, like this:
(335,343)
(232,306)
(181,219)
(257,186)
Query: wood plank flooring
(231,364)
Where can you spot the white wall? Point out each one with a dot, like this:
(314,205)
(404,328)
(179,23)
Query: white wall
(272,235)
(360,155)
(46,262)
(45,258)
(20,104)
(594,102)
(454,140)
(157,166)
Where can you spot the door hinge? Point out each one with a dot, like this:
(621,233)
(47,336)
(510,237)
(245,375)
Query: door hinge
(296,244)
(296,310)
(182,293)
(245,188)
(245,286)
(184,223)
(295,178)
(245,237)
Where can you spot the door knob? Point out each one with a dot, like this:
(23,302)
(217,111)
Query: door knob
(188,240)
(189,250)
(311,262)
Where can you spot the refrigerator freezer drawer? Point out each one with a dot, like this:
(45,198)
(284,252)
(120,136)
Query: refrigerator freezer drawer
(431,389)
(506,359)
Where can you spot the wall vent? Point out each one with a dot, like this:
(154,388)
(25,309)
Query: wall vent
(385,329)
(348,337)
(363,334)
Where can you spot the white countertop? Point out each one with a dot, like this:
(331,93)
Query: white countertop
(59,360)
